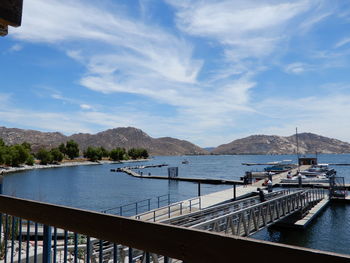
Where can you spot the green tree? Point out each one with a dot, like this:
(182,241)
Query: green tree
(2,143)
(93,154)
(22,153)
(44,156)
(133,153)
(72,149)
(143,153)
(56,154)
(30,160)
(62,148)
(27,146)
(104,152)
(117,154)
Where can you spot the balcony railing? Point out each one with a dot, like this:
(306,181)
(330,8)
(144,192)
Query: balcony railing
(39,232)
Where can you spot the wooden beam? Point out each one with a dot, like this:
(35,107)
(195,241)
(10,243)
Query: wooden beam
(11,12)
(186,244)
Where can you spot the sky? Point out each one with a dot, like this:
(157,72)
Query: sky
(206,71)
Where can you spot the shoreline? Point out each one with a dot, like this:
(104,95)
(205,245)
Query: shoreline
(11,170)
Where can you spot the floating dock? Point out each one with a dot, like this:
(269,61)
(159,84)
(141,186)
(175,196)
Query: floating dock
(312,214)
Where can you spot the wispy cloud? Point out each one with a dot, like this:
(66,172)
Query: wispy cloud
(207,69)
(248,29)
(342,42)
(15,48)
(298,68)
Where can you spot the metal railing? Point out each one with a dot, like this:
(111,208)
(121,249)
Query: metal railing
(220,210)
(142,206)
(247,221)
(174,209)
(63,234)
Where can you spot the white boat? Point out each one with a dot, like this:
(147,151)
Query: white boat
(306,179)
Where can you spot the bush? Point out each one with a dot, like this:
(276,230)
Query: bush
(56,154)
(72,149)
(136,153)
(30,160)
(117,154)
(44,156)
(93,154)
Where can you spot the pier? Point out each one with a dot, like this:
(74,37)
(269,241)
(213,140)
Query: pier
(129,171)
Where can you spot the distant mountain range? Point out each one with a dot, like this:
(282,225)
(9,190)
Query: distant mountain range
(131,137)
(119,137)
(271,144)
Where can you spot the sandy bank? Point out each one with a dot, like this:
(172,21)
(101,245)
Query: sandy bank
(7,170)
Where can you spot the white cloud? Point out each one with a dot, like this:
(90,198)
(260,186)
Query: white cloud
(296,68)
(86,107)
(327,116)
(154,50)
(342,42)
(249,29)
(16,47)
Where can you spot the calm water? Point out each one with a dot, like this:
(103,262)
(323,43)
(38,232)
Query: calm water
(96,188)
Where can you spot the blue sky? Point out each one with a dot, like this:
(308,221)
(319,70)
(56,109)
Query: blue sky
(206,71)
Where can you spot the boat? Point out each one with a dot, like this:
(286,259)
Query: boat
(185,161)
(319,169)
(319,179)
(281,167)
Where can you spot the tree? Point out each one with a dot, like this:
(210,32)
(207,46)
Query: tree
(30,160)
(20,154)
(56,154)
(2,143)
(143,153)
(104,152)
(93,154)
(44,156)
(62,148)
(27,146)
(117,154)
(72,149)
(136,153)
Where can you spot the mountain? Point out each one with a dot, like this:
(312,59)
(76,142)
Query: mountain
(209,149)
(119,137)
(271,144)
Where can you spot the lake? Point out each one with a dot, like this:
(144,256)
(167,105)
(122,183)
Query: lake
(95,187)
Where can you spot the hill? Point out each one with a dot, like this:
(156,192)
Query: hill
(272,144)
(119,137)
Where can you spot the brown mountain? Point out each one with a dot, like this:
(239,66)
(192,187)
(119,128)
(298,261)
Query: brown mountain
(119,137)
(271,144)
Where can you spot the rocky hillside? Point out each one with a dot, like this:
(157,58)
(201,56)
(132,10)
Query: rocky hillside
(118,137)
(270,144)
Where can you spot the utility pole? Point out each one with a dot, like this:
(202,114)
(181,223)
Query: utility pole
(296,137)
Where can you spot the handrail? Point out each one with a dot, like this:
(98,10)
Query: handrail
(298,194)
(135,206)
(168,211)
(223,208)
(175,242)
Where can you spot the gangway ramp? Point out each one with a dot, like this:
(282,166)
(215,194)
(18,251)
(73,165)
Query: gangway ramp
(235,219)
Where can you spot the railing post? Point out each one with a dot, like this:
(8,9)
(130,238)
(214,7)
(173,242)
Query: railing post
(47,244)
(168,199)
(199,189)
(234,191)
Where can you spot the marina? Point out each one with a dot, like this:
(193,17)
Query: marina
(249,216)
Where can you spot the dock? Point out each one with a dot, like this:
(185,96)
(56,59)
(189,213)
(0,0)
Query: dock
(312,214)
(128,171)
